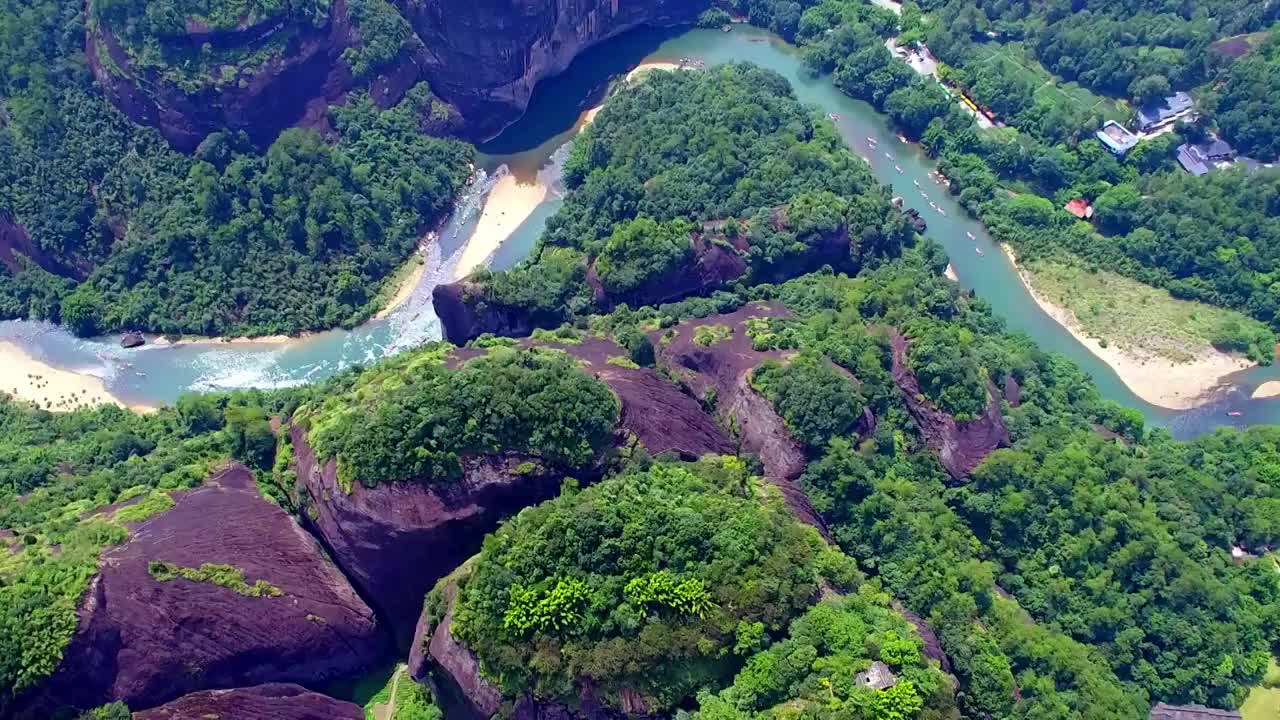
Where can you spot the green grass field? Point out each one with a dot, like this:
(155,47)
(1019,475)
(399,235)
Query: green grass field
(1130,315)
(1047,84)
(1264,702)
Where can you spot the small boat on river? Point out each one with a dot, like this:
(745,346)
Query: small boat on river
(898,168)
(971,237)
(1234,413)
(979,251)
(916,182)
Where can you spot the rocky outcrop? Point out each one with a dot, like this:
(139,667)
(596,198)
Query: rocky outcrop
(458,666)
(145,641)
(486,57)
(655,412)
(961,445)
(715,263)
(15,243)
(275,701)
(304,71)
(132,340)
(466,312)
(459,669)
(719,373)
(397,539)
(468,309)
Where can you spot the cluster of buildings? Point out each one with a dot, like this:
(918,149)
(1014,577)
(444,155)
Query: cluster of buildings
(1151,120)
(1195,158)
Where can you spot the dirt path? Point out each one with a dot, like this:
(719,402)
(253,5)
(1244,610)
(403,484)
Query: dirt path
(387,711)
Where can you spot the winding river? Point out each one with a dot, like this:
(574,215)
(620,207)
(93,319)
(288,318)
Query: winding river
(157,374)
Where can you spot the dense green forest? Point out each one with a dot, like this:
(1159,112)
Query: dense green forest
(414,418)
(1247,111)
(131,235)
(680,149)
(1118,48)
(1104,533)
(658,581)
(1082,573)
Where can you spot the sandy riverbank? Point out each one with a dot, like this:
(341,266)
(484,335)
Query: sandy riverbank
(950,273)
(650,67)
(1267,390)
(511,202)
(508,204)
(1162,382)
(409,282)
(26,378)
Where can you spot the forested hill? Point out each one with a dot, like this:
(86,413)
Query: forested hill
(686,182)
(114,230)
(1082,570)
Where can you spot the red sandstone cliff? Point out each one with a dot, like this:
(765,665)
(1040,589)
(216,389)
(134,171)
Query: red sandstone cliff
(145,641)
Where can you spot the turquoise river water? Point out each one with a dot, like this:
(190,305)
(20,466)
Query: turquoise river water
(157,374)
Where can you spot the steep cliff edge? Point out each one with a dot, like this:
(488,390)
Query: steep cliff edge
(715,366)
(470,308)
(276,701)
(486,57)
(397,539)
(259,75)
(212,70)
(655,412)
(961,445)
(258,603)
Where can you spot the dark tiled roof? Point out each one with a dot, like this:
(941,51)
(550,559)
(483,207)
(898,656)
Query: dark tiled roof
(1170,106)
(1191,160)
(1191,712)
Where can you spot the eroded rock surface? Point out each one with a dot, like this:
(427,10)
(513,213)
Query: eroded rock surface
(961,445)
(468,309)
(397,539)
(275,701)
(655,411)
(719,373)
(486,57)
(303,71)
(146,641)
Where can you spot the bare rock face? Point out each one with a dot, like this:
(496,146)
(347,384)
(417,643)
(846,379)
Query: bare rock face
(655,412)
(459,666)
(145,641)
(466,313)
(961,446)
(486,56)
(277,701)
(721,371)
(15,242)
(396,540)
(304,73)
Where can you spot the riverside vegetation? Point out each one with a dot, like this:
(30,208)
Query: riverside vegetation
(1083,571)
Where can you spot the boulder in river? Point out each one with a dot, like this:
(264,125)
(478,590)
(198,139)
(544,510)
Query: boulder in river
(132,340)
(152,627)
